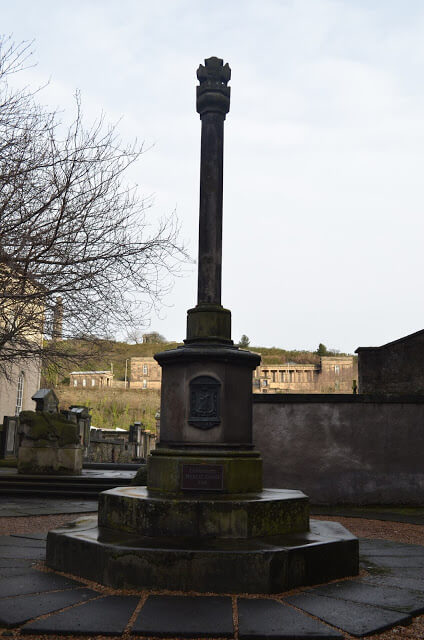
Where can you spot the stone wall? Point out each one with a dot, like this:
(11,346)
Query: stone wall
(343,448)
(396,367)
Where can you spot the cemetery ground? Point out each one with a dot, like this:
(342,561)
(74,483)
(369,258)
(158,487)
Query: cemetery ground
(391,578)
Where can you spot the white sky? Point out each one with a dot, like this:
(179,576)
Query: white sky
(324,146)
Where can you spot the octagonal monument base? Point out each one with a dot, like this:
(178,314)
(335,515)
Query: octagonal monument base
(120,556)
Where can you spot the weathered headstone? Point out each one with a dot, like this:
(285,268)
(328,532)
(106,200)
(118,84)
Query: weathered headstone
(50,444)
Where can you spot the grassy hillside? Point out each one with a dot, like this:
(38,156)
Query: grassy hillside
(112,408)
(110,353)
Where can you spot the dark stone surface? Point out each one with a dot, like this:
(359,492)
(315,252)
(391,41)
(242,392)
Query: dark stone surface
(8,572)
(395,367)
(34,582)
(15,562)
(12,541)
(389,548)
(383,596)
(22,552)
(354,618)
(264,618)
(106,616)
(268,513)
(213,103)
(30,536)
(16,611)
(272,565)
(396,562)
(397,579)
(233,368)
(186,617)
(369,452)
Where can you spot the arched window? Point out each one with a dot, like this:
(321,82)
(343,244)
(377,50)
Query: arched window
(20,393)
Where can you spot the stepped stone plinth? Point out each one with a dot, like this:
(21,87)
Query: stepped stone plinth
(204,522)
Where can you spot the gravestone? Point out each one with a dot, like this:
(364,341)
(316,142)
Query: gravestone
(9,439)
(204,521)
(50,444)
(46,400)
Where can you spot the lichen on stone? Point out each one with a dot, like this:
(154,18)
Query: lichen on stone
(52,428)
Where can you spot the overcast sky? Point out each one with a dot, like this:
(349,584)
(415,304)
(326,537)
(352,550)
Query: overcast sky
(324,148)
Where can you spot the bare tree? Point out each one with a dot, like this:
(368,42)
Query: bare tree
(71,228)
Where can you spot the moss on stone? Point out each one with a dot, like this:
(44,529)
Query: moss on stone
(50,428)
(140,478)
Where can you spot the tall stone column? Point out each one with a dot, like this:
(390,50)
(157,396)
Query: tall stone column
(209,321)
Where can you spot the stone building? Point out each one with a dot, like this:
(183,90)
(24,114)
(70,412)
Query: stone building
(17,390)
(91,379)
(396,367)
(146,373)
(334,374)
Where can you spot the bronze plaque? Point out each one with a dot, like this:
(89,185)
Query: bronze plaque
(202,477)
(204,402)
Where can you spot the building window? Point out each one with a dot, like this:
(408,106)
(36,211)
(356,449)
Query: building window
(144,384)
(264,383)
(336,369)
(75,382)
(145,370)
(84,382)
(93,382)
(20,393)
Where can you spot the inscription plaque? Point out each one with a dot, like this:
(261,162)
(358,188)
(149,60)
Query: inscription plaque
(202,477)
(204,402)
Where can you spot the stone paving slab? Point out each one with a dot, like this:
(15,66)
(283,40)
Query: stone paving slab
(396,580)
(11,541)
(34,582)
(30,536)
(16,562)
(23,553)
(186,617)
(385,596)
(396,562)
(388,547)
(352,617)
(263,618)
(108,615)
(8,572)
(36,506)
(15,611)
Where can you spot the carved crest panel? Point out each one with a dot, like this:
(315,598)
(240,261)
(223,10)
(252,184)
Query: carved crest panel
(205,394)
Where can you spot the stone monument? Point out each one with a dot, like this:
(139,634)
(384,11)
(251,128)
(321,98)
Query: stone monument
(204,522)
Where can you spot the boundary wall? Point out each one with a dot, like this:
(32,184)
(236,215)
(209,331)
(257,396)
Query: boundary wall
(343,448)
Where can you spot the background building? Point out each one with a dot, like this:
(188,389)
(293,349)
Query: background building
(17,390)
(91,379)
(146,373)
(334,374)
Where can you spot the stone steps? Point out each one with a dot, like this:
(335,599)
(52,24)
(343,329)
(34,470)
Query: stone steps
(77,486)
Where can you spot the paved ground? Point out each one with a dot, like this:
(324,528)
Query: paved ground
(106,472)
(40,603)
(14,507)
(410,515)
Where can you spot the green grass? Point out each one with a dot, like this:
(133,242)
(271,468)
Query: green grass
(113,408)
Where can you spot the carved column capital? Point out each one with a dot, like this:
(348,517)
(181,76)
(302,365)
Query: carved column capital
(213,94)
